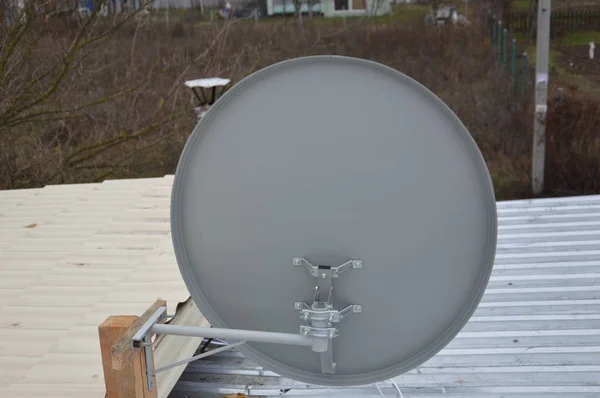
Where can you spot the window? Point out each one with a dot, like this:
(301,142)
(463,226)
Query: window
(341,5)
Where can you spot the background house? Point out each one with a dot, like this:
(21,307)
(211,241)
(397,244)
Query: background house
(332,8)
(283,7)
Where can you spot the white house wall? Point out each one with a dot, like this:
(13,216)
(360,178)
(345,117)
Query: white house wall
(385,7)
(186,4)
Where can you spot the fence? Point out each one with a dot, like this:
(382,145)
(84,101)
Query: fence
(507,54)
(561,21)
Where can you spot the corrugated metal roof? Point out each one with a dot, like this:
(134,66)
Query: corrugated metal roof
(70,256)
(535,334)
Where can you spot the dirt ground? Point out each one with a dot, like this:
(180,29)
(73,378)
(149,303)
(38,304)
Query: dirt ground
(575,60)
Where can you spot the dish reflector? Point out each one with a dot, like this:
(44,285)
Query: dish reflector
(332,159)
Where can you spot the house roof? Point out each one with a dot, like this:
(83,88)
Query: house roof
(70,256)
(536,333)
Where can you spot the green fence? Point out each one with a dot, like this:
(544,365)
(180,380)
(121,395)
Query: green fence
(561,21)
(507,54)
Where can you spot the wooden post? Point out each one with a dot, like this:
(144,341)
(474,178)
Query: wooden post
(499,48)
(109,331)
(513,66)
(125,366)
(525,68)
(505,47)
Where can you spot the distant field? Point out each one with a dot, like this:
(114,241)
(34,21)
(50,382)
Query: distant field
(124,112)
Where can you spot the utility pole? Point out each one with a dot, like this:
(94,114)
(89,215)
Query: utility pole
(541,95)
(167,13)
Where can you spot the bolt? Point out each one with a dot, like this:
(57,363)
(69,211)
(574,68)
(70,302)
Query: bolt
(306,316)
(305,332)
(323,276)
(331,334)
(330,317)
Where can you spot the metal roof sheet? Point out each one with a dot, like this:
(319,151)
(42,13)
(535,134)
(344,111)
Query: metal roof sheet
(70,256)
(535,334)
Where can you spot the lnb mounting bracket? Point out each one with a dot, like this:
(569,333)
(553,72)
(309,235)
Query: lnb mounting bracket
(335,271)
(321,315)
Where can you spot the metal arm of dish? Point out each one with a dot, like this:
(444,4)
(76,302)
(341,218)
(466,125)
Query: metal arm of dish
(321,313)
(143,338)
(318,334)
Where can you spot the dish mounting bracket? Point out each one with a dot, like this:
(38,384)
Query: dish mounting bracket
(317,335)
(321,315)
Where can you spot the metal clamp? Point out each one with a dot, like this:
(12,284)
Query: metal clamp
(138,338)
(321,315)
(330,315)
(326,333)
(335,271)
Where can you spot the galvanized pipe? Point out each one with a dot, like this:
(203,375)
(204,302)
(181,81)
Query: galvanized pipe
(234,334)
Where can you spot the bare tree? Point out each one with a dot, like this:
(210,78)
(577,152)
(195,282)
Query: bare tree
(505,10)
(435,4)
(298,10)
(375,6)
(58,116)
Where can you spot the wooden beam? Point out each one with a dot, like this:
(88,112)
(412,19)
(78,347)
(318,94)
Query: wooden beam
(127,363)
(109,332)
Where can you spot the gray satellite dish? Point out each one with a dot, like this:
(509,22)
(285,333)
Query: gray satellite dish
(335,199)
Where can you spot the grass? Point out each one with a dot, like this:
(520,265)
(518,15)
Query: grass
(408,13)
(577,38)
(581,38)
(582,83)
(524,5)
(560,72)
(520,5)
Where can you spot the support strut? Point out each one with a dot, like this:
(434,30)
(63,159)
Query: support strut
(318,333)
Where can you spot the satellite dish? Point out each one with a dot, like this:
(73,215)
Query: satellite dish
(337,198)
